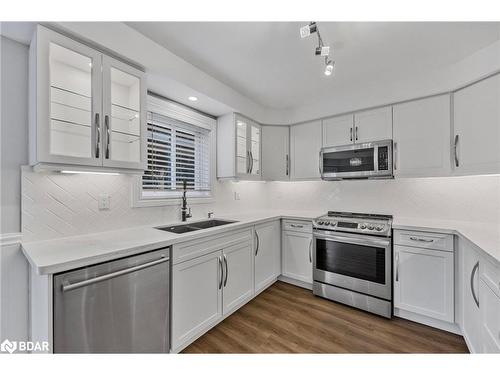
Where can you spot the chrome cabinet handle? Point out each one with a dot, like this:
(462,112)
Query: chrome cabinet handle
(310,251)
(474,270)
(356,133)
(251,162)
(397,266)
(296,226)
(221,272)
(350,133)
(258,243)
(227,273)
(286,166)
(67,286)
(98,139)
(106,123)
(395,155)
(421,239)
(457,162)
(248,161)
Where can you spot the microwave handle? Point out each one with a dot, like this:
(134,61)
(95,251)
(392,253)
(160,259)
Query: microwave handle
(350,133)
(395,161)
(320,164)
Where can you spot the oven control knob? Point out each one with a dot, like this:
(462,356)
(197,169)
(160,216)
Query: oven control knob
(321,222)
(379,228)
(363,226)
(327,223)
(370,227)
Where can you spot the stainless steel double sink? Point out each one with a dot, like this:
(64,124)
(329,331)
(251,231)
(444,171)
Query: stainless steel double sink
(191,227)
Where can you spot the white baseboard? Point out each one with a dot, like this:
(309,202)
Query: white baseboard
(299,283)
(432,322)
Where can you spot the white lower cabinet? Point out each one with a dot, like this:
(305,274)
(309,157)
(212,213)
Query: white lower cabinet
(424,282)
(196,297)
(238,276)
(297,253)
(471,314)
(267,254)
(490,319)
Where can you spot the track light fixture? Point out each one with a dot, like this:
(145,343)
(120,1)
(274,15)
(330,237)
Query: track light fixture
(321,49)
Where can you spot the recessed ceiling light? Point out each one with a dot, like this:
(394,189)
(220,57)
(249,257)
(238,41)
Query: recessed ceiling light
(193,98)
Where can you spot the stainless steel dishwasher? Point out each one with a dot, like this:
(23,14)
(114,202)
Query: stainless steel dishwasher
(121,306)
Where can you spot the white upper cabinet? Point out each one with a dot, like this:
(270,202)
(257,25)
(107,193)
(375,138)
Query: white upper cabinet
(476,123)
(422,137)
(373,125)
(305,145)
(73,117)
(338,131)
(238,148)
(276,153)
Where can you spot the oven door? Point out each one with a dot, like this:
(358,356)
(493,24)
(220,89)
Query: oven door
(360,263)
(363,160)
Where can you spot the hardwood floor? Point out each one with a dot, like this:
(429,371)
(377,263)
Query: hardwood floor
(288,319)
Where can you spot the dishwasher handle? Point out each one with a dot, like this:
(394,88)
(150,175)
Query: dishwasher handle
(66,287)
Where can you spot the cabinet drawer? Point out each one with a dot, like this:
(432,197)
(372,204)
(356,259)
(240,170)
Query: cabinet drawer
(297,226)
(490,273)
(206,245)
(426,240)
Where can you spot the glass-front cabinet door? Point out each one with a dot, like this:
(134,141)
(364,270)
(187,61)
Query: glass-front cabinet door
(248,141)
(255,168)
(242,153)
(124,98)
(68,101)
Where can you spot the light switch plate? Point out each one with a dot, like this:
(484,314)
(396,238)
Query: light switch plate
(236,196)
(103,202)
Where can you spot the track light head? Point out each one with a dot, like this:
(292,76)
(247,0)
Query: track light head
(307,30)
(329,68)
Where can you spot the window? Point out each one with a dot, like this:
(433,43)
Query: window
(179,150)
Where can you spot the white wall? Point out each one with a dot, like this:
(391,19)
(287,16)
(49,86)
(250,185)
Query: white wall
(13,153)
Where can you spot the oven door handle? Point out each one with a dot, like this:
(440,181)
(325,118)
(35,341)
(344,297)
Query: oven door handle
(354,240)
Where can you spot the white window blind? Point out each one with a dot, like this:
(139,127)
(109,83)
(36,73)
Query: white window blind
(177,152)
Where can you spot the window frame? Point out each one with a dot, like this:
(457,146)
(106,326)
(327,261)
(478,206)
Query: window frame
(176,111)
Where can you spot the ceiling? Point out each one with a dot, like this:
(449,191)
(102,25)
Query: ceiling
(270,64)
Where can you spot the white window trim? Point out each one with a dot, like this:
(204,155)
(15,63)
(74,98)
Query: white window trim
(185,114)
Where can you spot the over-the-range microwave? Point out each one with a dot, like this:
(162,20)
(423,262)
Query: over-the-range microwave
(355,161)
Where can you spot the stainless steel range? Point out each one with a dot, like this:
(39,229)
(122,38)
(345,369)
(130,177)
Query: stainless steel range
(352,260)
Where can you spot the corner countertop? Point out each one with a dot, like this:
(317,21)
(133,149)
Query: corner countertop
(66,253)
(63,254)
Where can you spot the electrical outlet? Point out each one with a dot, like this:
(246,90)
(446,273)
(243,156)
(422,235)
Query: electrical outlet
(236,196)
(103,201)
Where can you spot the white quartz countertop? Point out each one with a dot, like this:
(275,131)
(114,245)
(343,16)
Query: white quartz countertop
(486,236)
(62,254)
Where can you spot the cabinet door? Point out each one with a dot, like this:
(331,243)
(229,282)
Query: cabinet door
(275,153)
(338,131)
(305,145)
(297,256)
(196,297)
(267,254)
(238,276)
(422,137)
(124,107)
(490,319)
(242,150)
(68,101)
(373,125)
(476,123)
(254,148)
(423,282)
(471,315)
